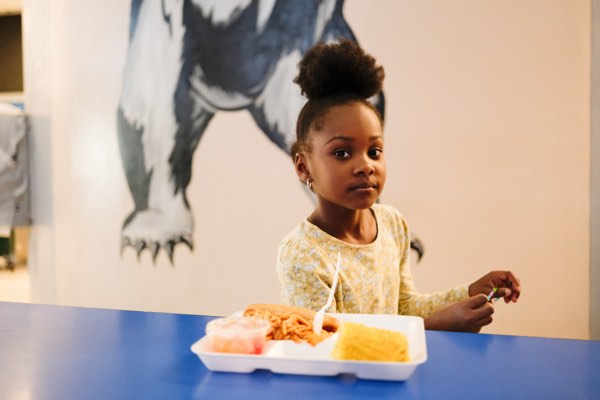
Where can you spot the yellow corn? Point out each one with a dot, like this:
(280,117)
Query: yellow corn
(361,342)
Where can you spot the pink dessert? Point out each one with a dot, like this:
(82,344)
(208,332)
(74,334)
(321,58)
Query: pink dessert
(246,335)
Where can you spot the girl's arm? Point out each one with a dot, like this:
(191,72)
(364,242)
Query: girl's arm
(412,302)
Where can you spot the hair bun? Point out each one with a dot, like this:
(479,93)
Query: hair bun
(342,67)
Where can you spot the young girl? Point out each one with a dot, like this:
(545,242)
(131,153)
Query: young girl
(339,155)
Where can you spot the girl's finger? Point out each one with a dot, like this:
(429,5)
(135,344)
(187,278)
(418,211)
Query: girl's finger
(504,292)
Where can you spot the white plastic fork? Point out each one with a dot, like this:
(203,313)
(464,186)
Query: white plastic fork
(320,315)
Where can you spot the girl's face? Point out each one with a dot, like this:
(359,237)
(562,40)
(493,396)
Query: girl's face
(345,162)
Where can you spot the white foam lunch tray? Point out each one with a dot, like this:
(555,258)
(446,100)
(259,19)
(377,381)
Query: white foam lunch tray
(287,357)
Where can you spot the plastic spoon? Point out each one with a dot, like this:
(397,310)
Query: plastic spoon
(320,315)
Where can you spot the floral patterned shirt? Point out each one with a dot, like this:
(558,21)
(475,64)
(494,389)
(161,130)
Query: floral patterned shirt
(374,278)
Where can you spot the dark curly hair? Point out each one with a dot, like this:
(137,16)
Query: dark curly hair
(332,75)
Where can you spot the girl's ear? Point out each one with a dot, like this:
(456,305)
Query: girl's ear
(301,167)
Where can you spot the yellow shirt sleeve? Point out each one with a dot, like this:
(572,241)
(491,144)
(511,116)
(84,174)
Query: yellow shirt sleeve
(304,277)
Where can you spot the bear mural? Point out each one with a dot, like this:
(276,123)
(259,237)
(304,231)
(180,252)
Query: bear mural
(186,61)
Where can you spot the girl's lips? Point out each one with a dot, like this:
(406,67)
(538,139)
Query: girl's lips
(365,186)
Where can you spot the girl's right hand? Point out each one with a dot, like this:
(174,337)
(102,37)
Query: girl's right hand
(469,315)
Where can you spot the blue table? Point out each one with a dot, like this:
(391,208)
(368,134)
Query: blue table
(57,352)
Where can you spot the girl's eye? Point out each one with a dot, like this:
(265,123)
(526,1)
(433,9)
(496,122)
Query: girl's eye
(375,153)
(341,153)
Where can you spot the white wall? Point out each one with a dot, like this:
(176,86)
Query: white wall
(487,135)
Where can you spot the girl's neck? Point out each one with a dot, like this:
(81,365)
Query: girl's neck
(351,226)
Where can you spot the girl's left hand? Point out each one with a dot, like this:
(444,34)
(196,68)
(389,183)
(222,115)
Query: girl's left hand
(507,283)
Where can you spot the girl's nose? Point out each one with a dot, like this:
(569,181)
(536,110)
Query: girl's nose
(365,167)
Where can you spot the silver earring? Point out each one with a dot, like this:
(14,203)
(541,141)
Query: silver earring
(308,183)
